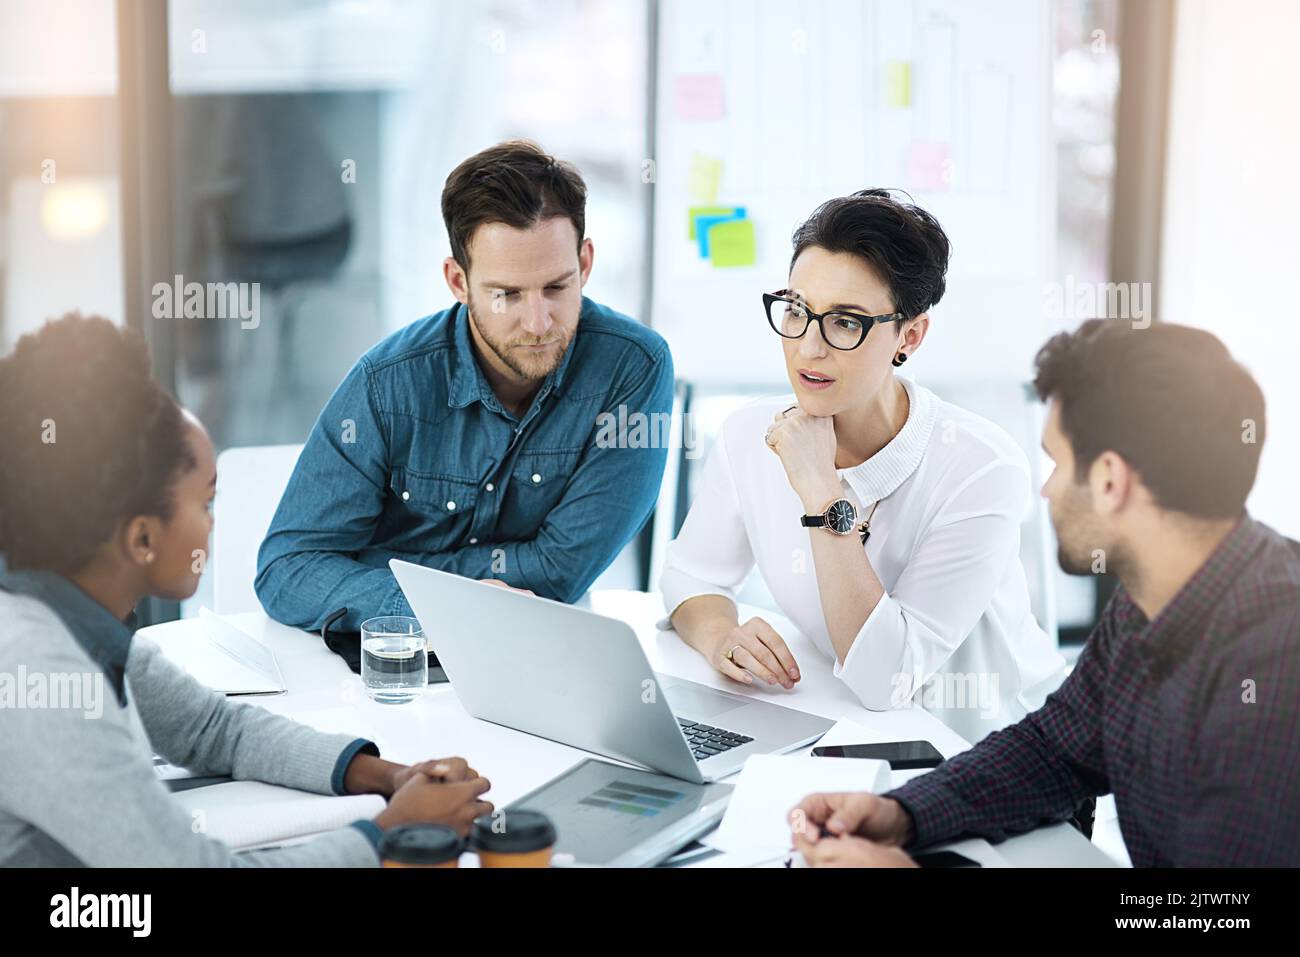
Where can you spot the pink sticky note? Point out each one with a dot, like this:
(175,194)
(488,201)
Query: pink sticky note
(929,166)
(698,97)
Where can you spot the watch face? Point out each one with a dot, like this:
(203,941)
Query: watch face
(841,516)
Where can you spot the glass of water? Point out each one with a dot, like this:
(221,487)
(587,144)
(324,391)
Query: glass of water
(394,658)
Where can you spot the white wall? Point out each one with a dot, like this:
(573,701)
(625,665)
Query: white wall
(1231,246)
(805,117)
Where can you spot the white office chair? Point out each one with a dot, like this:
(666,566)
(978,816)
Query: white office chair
(250,481)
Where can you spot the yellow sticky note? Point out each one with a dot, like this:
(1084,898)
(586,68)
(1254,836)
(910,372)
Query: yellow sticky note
(898,84)
(705,178)
(732,243)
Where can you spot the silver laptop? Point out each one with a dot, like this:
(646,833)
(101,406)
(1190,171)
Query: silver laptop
(570,675)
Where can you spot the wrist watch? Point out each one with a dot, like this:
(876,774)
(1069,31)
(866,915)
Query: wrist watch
(840,517)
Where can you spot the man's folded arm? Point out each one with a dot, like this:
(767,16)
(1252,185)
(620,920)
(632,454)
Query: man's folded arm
(318,557)
(607,500)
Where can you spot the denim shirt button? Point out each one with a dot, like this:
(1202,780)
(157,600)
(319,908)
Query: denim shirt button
(451,506)
(536,478)
(490,487)
(406,496)
(473,541)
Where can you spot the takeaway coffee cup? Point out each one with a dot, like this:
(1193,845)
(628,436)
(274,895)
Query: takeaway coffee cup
(421,845)
(513,839)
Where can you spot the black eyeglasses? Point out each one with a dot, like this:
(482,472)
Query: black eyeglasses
(789,319)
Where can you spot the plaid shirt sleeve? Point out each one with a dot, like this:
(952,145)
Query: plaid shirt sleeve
(1245,776)
(1031,773)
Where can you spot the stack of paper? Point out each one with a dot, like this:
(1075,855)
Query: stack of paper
(246,814)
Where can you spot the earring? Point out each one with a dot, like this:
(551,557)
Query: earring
(148,557)
(900,358)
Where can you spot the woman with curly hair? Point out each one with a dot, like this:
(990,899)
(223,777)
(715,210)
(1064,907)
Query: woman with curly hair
(106,486)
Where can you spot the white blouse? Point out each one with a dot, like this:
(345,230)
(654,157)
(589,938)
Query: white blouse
(953,632)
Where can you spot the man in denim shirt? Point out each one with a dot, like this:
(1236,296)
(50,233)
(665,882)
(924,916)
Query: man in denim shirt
(476,440)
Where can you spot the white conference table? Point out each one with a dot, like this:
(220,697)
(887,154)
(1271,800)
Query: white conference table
(325,694)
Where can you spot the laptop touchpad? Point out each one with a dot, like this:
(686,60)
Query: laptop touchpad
(691,703)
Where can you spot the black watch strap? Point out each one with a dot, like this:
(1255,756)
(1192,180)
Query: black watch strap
(813,521)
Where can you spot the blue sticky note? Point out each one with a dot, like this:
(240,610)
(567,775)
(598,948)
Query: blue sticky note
(703,223)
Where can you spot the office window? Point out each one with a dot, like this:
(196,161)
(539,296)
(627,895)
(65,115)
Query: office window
(1086,86)
(60,226)
(311,142)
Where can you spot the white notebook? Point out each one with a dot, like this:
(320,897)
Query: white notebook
(770,785)
(248,814)
(219,655)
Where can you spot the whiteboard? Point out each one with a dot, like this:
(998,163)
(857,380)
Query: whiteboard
(800,101)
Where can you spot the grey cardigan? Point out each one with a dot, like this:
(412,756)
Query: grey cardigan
(76,788)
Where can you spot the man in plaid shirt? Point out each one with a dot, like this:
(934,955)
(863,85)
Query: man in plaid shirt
(1185,702)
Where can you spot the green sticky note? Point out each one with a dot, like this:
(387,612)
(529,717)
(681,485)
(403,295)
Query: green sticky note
(732,243)
(898,84)
(696,211)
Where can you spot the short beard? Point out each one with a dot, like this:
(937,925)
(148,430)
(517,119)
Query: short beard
(1079,539)
(504,351)
(1073,564)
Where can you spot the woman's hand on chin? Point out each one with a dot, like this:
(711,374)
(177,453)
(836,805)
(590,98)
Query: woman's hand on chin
(805,444)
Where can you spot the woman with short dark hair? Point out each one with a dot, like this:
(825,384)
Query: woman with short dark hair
(884,521)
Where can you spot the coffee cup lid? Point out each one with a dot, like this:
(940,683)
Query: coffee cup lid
(512,832)
(420,844)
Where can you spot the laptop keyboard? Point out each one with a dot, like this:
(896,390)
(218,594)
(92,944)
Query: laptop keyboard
(706,740)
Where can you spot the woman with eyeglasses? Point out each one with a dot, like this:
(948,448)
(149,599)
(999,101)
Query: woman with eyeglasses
(885,521)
